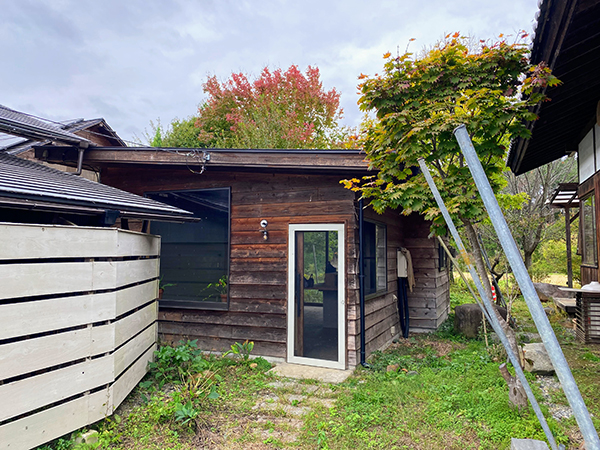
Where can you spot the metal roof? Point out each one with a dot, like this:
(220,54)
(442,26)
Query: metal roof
(27,181)
(568,39)
(25,125)
(565,196)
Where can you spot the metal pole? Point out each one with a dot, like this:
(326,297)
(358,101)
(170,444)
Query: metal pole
(491,314)
(528,290)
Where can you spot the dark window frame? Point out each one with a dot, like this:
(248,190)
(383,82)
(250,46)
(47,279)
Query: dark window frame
(196,304)
(369,293)
(585,261)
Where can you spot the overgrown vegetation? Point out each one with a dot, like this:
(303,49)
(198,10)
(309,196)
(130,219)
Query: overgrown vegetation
(426,392)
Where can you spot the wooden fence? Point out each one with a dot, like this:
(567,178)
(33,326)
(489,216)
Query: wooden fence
(78,315)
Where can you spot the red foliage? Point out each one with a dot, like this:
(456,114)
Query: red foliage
(278,109)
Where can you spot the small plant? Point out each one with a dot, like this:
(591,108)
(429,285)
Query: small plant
(242,350)
(175,364)
(219,286)
(185,413)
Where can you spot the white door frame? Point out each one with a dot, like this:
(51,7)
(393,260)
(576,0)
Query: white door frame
(341,280)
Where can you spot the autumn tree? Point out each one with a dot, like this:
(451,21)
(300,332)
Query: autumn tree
(278,109)
(418,101)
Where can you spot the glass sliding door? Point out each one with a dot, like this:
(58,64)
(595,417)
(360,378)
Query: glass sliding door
(316,313)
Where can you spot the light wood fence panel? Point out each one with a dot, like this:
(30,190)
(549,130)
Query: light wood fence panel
(77,326)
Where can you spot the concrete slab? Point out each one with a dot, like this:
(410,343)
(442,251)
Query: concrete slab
(527,444)
(301,372)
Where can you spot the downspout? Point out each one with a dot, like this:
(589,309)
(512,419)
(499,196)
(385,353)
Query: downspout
(82,147)
(361,282)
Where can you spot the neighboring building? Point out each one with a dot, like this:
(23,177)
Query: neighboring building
(568,39)
(94,131)
(275,256)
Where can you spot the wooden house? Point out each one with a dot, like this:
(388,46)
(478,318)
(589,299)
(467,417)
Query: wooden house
(567,38)
(275,256)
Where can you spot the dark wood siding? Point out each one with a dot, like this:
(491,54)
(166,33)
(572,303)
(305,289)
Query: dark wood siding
(258,268)
(429,302)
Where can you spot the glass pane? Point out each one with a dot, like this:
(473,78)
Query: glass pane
(588,224)
(316,295)
(374,257)
(194,257)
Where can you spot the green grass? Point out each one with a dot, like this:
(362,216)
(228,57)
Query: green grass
(437,391)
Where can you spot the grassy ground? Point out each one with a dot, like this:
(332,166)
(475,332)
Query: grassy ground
(438,391)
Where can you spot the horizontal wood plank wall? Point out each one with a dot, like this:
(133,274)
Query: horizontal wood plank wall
(428,303)
(76,332)
(258,268)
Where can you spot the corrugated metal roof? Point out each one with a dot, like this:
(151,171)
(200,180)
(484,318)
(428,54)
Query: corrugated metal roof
(20,178)
(21,124)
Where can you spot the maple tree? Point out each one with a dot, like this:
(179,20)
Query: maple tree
(419,101)
(278,109)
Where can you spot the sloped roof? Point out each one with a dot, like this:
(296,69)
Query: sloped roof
(17,146)
(23,182)
(25,125)
(568,39)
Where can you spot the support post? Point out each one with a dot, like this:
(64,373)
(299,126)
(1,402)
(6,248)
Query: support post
(489,307)
(569,254)
(528,290)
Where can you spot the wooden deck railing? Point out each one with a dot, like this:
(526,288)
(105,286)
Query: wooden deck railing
(78,326)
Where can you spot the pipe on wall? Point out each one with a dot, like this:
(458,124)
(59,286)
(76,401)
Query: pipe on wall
(361,282)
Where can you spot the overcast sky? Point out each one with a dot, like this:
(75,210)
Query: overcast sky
(132,61)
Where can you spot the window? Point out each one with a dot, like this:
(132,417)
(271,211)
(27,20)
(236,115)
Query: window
(194,261)
(375,265)
(588,231)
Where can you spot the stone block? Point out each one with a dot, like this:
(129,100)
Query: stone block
(536,359)
(468,319)
(527,444)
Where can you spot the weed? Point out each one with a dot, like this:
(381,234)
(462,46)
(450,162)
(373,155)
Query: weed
(589,356)
(242,350)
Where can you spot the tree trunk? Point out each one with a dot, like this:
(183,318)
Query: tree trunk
(508,331)
(516,393)
(527,258)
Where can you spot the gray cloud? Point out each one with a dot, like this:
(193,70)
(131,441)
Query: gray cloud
(135,61)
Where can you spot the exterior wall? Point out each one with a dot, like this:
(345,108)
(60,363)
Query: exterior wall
(77,326)
(429,303)
(590,272)
(258,268)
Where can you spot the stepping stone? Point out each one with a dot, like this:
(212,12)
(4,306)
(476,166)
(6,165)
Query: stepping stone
(527,444)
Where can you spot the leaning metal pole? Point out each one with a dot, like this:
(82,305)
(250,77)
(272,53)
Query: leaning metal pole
(528,290)
(491,315)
